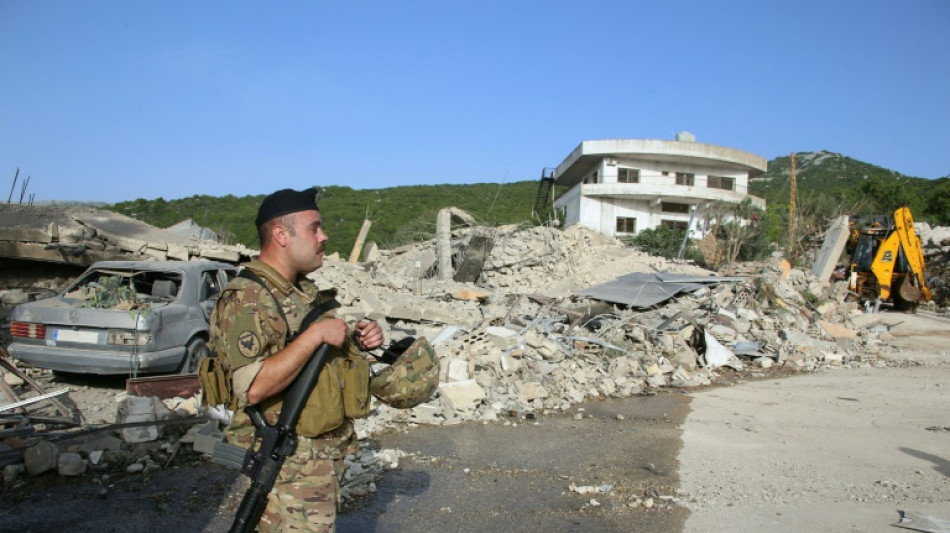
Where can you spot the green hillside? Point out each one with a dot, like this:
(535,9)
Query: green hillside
(399,215)
(827,182)
(833,178)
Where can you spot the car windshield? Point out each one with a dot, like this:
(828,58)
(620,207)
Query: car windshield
(125,289)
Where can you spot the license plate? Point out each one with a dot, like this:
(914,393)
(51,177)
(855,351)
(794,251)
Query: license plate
(69,335)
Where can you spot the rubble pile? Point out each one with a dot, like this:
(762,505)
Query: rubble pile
(520,341)
(82,236)
(936,244)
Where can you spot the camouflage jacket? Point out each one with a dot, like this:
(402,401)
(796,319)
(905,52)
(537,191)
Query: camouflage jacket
(246,328)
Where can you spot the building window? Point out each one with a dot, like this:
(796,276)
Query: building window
(628,175)
(592,178)
(675,224)
(685,178)
(673,207)
(626,225)
(721,182)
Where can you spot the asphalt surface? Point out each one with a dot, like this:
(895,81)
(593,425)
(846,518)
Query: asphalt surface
(517,477)
(469,477)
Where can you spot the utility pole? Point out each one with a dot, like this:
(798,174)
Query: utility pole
(792,207)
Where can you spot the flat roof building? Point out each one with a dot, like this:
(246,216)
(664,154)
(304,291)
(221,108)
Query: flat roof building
(620,187)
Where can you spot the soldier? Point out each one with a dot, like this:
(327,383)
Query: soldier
(254,331)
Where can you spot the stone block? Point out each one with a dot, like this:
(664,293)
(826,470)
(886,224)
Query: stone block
(14,297)
(837,331)
(140,409)
(41,457)
(542,367)
(533,340)
(832,358)
(531,390)
(460,396)
(457,370)
(218,254)
(509,364)
(371,302)
(12,380)
(371,252)
(72,464)
(177,252)
(725,334)
(501,337)
(801,341)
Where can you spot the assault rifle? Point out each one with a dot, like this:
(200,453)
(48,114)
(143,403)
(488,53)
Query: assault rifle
(276,442)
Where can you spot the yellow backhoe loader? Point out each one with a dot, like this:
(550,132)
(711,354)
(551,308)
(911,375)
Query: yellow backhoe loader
(887,262)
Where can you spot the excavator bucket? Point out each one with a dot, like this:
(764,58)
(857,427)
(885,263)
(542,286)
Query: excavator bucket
(909,292)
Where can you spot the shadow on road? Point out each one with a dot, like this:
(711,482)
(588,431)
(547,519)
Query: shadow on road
(394,486)
(940,464)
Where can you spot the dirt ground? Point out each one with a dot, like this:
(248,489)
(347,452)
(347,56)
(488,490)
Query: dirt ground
(834,450)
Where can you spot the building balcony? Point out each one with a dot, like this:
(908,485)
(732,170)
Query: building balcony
(655,192)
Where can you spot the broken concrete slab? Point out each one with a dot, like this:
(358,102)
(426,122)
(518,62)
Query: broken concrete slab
(836,331)
(82,236)
(140,409)
(835,240)
(460,396)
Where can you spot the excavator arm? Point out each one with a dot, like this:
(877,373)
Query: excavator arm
(913,251)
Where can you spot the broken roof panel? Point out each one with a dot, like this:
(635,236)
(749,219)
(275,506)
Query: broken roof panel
(644,290)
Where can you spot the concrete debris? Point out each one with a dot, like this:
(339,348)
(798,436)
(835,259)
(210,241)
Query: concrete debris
(41,457)
(140,409)
(527,337)
(936,244)
(82,236)
(537,340)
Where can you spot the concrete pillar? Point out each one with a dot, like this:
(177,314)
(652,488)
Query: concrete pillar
(443,232)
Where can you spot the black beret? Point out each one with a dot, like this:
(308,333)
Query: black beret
(286,201)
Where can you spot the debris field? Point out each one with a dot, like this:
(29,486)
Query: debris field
(530,320)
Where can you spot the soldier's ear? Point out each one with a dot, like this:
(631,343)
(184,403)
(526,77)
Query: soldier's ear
(280,233)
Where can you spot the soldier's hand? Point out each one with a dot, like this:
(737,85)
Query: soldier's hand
(369,334)
(332,331)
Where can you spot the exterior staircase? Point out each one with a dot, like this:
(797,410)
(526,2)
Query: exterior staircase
(544,190)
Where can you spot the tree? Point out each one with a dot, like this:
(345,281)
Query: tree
(738,229)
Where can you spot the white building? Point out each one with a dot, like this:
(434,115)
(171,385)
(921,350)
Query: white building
(622,186)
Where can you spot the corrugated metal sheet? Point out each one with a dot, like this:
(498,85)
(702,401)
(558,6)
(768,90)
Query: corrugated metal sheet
(644,290)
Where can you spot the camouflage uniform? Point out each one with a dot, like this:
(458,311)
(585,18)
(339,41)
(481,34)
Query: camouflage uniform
(246,328)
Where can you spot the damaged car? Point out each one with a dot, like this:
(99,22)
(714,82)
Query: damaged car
(123,317)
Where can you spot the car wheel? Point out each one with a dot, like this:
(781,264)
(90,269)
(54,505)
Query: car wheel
(196,351)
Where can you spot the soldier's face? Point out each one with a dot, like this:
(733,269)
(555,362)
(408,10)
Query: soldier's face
(308,241)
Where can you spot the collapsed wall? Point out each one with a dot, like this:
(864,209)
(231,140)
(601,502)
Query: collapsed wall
(82,236)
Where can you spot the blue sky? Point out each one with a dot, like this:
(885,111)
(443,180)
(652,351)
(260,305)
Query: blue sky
(112,101)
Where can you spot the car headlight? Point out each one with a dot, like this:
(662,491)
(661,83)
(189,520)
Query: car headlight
(125,337)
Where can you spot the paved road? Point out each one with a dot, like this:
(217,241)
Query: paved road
(496,477)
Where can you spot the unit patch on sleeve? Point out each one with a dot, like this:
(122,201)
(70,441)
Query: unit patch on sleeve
(248,344)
